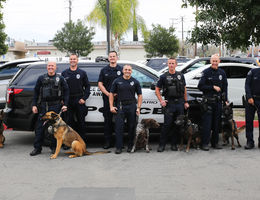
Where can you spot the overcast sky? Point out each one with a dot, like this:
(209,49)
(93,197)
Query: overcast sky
(39,20)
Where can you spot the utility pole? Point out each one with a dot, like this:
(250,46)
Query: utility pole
(196,25)
(70,9)
(182,36)
(108,28)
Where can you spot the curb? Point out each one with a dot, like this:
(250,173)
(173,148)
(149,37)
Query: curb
(242,123)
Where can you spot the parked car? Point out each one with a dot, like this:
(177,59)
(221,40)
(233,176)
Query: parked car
(18,114)
(199,62)
(7,71)
(236,75)
(160,63)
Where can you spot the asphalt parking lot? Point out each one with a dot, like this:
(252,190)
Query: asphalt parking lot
(217,174)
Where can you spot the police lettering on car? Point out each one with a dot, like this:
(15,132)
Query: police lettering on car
(79,87)
(175,100)
(51,93)
(106,77)
(252,105)
(213,84)
(125,88)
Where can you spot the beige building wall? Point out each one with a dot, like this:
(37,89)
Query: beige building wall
(130,52)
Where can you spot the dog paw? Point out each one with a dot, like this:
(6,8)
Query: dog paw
(148,151)
(233,148)
(53,156)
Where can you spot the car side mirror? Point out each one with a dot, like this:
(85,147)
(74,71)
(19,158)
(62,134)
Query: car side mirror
(153,85)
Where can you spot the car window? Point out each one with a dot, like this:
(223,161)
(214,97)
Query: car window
(157,64)
(30,77)
(194,66)
(93,74)
(145,80)
(236,71)
(8,70)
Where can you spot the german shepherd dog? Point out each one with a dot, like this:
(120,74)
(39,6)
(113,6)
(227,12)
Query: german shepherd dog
(2,137)
(66,135)
(229,128)
(142,134)
(188,132)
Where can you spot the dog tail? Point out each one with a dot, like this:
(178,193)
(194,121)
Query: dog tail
(96,152)
(240,129)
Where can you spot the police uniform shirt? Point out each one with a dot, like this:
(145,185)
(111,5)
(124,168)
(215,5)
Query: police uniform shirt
(109,74)
(78,83)
(162,82)
(211,77)
(252,85)
(126,88)
(39,85)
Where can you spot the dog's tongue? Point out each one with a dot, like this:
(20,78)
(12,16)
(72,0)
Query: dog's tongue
(45,122)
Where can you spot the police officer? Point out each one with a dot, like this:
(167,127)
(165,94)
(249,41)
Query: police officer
(252,87)
(79,88)
(125,87)
(213,84)
(106,77)
(52,91)
(174,102)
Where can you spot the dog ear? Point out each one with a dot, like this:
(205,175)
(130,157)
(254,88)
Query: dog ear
(54,115)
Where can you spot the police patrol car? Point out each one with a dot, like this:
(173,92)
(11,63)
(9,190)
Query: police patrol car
(18,114)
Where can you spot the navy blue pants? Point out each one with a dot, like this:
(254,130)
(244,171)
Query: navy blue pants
(39,130)
(172,110)
(127,112)
(79,111)
(250,114)
(211,122)
(108,120)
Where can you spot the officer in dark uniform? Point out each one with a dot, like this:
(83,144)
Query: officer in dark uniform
(125,87)
(106,77)
(213,84)
(252,87)
(52,91)
(174,91)
(79,88)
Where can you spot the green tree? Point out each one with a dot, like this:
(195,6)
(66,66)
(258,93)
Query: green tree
(3,36)
(74,38)
(161,41)
(235,23)
(122,17)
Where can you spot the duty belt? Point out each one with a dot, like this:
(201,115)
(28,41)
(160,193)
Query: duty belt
(214,99)
(127,102)
(173,101)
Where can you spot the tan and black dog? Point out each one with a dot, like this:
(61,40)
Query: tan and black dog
(2,137)
(66,135)
(229,128)
(142,134)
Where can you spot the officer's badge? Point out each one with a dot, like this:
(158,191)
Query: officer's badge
(249,73)
(78,76)
(179,77)
(132,83)
(57,79)
(220,77)
(118,73)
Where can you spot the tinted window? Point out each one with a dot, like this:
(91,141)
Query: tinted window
(236,71)
(144,77)
(157,64)
(9,70)
(30,77)
(93,74)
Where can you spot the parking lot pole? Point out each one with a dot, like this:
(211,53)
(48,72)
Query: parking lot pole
(108,29)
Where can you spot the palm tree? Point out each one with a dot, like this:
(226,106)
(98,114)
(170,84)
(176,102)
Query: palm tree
(122,18)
